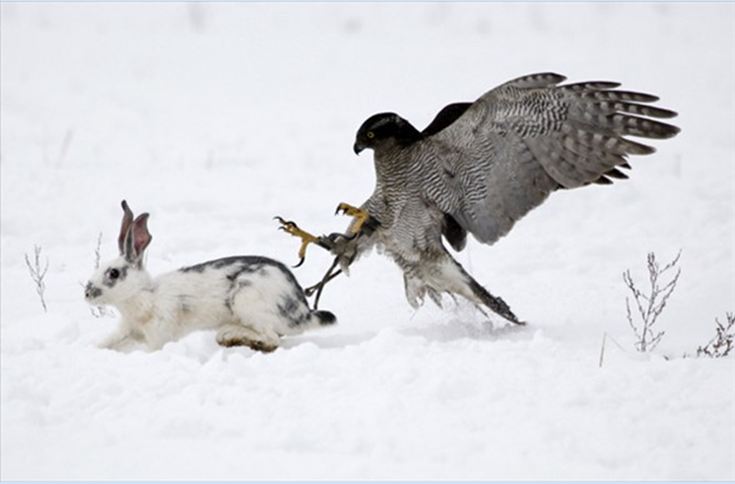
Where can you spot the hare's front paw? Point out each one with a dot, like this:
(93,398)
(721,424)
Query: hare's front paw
(119,342)
(110,342)
(105,345)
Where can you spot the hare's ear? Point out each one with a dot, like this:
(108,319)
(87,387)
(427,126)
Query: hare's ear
(124,227)
(137,239)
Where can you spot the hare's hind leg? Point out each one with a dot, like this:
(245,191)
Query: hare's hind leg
(254,323)
(239,335)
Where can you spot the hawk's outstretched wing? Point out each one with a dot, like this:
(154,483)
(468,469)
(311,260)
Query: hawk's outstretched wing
(501,156)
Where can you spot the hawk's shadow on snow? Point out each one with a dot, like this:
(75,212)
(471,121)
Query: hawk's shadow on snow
(460,326)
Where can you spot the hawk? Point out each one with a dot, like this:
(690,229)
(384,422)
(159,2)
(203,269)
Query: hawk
(478,168)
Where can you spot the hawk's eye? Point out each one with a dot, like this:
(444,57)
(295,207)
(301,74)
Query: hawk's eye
(114,273)
(370,134)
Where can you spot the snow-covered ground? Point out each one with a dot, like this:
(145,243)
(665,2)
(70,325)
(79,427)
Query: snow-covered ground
(216,117)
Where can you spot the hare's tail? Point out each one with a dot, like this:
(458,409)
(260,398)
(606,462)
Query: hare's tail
(322,318)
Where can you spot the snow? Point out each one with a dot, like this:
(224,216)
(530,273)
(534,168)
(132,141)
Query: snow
(216,117)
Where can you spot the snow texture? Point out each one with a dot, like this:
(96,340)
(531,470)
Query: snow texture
(217,117)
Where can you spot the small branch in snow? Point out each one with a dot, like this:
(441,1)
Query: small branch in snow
(723,341)
(98,311)
(602,348)
(65,143)
(98,251)
(650,306)
(605,337)
(38,274)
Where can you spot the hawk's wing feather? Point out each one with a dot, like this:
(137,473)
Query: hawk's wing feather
(524,139)
(541,79)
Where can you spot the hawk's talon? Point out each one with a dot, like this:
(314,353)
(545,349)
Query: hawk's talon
(360,216)
(293,229)
(284,223)
(348,209)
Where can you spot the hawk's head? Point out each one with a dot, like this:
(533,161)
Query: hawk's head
(383,128)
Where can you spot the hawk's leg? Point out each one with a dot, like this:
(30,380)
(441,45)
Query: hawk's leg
(360,216)
(328,276)
(319,286)
(343,246)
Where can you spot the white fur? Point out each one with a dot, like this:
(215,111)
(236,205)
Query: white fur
(158,310)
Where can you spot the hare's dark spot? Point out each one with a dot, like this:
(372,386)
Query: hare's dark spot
(229,300)
(250,269)
(92,291)
(184,303)
(212,264)
(196,268)
(293,309)
(246,269)
(241,260)
(115,274)
(288,306)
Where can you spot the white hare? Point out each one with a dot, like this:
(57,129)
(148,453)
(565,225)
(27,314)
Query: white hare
(250,300)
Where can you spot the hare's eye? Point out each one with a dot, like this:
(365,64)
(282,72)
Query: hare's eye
(114,273)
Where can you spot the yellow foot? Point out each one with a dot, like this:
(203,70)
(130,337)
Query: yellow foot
(293,229)
(360,216)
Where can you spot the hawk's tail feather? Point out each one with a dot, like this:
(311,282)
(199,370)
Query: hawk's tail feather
(496,304)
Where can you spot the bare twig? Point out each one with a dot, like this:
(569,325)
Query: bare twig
(66,142)
(651,305)
(98,311)
(723,341)
(602,348)
(98,252)
(38,273)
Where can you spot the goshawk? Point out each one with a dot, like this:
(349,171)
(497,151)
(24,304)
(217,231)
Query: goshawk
(479,167)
